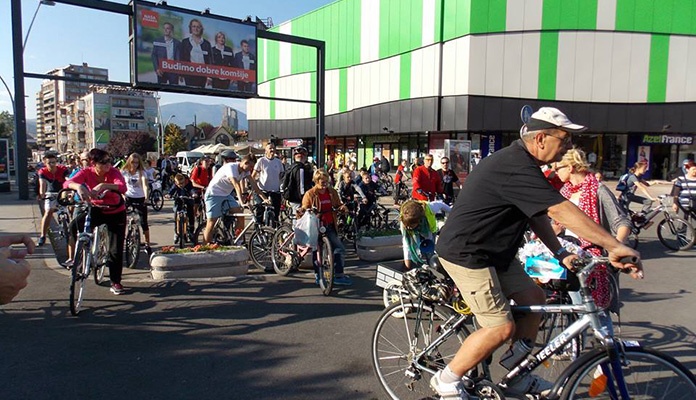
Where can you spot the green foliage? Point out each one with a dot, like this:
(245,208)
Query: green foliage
(6,124)
(174,140)
(124,144)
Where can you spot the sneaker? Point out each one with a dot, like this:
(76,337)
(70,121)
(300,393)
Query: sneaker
(316,279)
(42,241)
(117,289)
(176,238)
(148,249)
(531,384)
(342,280)
(68,264)
(448,391)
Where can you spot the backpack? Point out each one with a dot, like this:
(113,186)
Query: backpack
(622,186)
(385,166)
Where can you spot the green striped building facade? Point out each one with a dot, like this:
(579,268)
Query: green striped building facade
(620,66)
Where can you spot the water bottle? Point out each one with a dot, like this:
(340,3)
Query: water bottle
(519,350)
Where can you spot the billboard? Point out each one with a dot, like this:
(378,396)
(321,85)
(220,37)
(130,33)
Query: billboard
(459,154)
(178,50)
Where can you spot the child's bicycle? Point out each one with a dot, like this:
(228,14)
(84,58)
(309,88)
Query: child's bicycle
(673,232)
(420,333)
(287,255)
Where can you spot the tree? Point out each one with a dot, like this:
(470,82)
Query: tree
(124,144)
(174,140)
(7,125)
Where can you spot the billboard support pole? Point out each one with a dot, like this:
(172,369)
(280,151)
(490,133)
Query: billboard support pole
(20,117)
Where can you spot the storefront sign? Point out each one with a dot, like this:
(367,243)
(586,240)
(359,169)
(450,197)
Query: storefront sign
(668,139)
(292,142)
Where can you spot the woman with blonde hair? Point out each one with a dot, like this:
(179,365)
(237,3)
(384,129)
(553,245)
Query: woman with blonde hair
(137,190)
(326,200)
(598,202)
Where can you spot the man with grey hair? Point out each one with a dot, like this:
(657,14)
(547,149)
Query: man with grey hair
(503,195)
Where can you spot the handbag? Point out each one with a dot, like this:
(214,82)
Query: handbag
(307,230)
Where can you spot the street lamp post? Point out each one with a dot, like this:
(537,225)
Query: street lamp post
(41,2)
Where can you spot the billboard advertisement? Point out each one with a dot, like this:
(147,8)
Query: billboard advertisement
(178,50)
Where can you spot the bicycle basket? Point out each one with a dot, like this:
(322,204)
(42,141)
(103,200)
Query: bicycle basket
(421,283)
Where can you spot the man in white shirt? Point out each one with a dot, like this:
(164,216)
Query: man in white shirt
(227,179)
(267,173)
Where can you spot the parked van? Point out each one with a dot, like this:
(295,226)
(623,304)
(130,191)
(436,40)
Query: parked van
(187,160)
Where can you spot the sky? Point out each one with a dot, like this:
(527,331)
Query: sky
(64,34)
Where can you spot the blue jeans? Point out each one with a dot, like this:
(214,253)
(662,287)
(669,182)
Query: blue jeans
(339,251)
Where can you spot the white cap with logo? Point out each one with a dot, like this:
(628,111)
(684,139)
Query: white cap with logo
(552,118)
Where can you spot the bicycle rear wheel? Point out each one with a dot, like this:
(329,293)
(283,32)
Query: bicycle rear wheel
(260,248)
(676,234)
(394,347)
(156,199)
(83,258)
(101,241)
(283,250)
(132,246)
(326,266)
(648,373)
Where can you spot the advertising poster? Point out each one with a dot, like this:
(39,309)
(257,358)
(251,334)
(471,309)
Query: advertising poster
(459,154)
(180,50)
(4,160)
(644,154)
(102,124)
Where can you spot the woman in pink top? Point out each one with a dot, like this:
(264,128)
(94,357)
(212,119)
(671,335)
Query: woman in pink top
(103,185)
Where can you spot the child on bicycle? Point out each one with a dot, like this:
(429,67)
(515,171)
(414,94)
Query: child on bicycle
(418,230)
(324,198)
(182,188)
(367,189)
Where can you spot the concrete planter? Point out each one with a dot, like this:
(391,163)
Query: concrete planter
(381,248)
(210,264)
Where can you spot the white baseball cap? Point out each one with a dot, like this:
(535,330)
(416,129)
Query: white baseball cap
(552,118)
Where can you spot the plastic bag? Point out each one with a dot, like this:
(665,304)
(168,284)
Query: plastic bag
(307,230)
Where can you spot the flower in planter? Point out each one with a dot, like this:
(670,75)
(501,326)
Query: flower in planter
(197,249)
(379,232)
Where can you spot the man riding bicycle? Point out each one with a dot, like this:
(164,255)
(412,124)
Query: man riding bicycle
(505,194)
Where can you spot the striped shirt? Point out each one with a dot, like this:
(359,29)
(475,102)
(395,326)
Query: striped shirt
(685,188)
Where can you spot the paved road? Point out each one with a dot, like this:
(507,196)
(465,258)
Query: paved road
(259,337)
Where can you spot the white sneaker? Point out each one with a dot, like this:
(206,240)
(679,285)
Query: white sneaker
(448,391)
(531,384)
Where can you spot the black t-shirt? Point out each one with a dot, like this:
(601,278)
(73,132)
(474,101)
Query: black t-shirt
(449,178)
(491,213)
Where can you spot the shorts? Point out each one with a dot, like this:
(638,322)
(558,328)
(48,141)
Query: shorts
(214,205)
(50,201)
(486,290)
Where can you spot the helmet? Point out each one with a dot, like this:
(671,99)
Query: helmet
(229,154)
(299,150)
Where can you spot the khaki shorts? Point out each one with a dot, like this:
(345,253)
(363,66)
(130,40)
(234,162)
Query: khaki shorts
(486,291)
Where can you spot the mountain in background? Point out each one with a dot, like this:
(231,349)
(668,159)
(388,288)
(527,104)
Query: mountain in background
(186,112)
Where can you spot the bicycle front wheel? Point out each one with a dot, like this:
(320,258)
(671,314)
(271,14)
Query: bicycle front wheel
(156,199)
(132,246)
(83,258)
(326,266)
(260,248)
(648,374)
(180,230)
(283,250)
(676,234)
(394,347)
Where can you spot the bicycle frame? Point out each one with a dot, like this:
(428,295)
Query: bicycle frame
(591,316)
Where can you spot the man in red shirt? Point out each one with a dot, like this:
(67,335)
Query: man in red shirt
(51,178)
(426,181)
